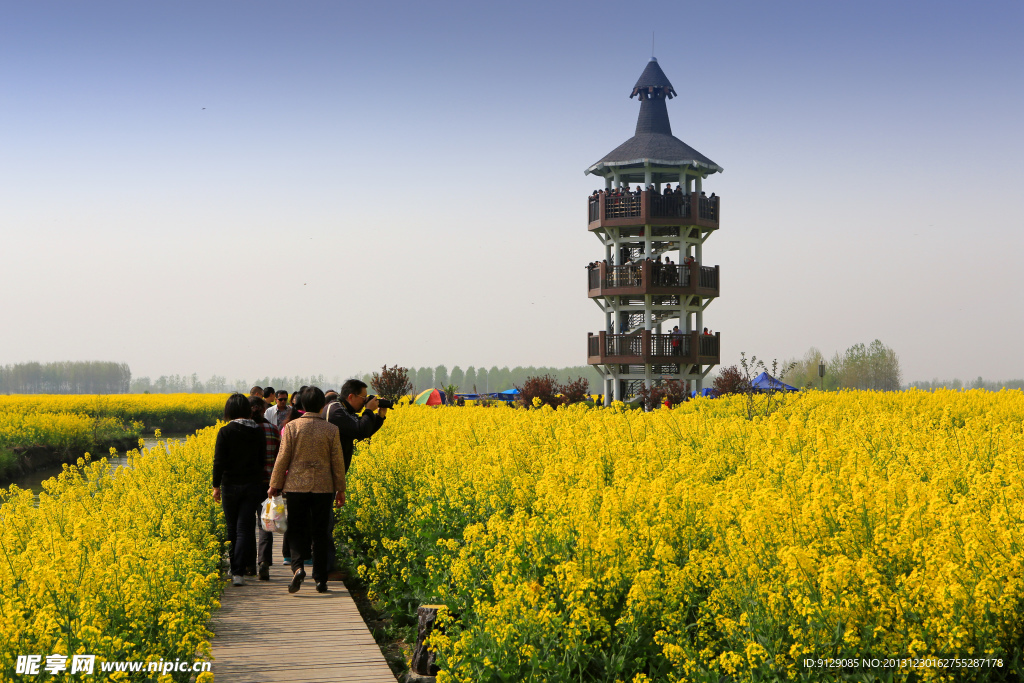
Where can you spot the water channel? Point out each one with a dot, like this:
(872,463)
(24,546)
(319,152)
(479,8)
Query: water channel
(34,480)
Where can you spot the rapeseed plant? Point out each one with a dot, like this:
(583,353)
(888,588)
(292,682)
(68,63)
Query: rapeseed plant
(695,544)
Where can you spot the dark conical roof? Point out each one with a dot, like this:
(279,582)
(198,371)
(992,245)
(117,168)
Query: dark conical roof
(653,117)
(653,143)
(656,149)
(653,77)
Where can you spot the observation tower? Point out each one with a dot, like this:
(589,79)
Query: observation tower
(642,295)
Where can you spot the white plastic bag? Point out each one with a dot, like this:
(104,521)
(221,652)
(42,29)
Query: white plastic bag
(274,516)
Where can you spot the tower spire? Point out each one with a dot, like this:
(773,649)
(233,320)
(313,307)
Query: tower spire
(653,89)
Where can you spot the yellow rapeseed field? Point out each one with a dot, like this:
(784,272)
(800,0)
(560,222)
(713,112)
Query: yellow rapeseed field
(154,410)
(693,544)
(68,423)
(64,432)
(122,566)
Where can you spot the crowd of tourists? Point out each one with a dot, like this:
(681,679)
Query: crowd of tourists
(300,446)
(657,264)
(625,190)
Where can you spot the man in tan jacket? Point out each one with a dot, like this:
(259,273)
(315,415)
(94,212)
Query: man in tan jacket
(310,468)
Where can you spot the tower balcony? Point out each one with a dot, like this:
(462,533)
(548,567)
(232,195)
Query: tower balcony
(648,347)
(651,277)
(650,208)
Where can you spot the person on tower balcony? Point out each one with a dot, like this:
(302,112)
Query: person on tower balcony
(676,341)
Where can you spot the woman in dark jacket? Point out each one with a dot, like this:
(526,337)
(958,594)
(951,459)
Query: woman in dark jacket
(238,486)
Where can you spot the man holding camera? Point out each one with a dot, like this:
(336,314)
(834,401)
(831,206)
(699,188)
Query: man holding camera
(352,425)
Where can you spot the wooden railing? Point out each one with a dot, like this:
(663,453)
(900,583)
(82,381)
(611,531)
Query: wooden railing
(709,344)
(650,207)
(624,344)
(709,277)
(671,344)
(670,276)
(622,206)
(622,276)
(647,347)
(641,277)
(675,205)
(709,208)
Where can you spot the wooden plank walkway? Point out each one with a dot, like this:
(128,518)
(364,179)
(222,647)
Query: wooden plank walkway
(263,634)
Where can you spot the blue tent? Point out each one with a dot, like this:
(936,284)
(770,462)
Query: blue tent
(765,382)
(509,395)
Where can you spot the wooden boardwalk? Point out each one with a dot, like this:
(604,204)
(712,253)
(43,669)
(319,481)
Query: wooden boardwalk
(264,634)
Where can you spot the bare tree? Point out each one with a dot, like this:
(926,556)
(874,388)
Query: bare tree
(391,383)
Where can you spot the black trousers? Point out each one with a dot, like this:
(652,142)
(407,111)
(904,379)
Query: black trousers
(265,546)
(240,503)
(309,530)
(262,550)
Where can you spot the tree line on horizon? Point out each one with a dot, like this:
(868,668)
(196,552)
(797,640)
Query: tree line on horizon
(65,377)
(470,380)
(956,384)
(490,380)
(217,384)
(873,366)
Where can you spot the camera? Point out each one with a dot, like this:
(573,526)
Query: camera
(381,402)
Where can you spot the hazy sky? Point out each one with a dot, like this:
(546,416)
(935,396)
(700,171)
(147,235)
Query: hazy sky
(254,188)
